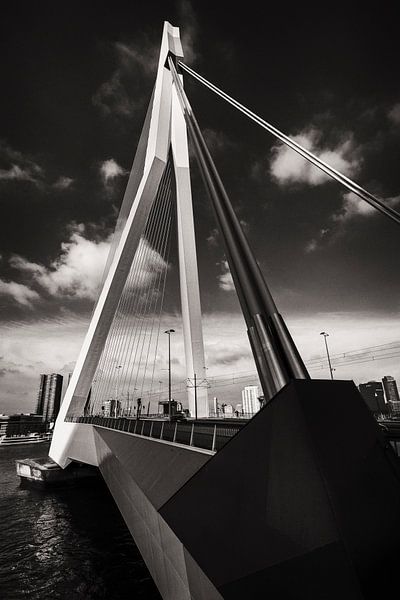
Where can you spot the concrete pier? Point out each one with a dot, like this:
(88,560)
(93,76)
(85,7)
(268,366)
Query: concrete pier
(46,472)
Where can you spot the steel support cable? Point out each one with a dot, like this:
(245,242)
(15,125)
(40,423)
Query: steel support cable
(272,371)
(112,341)
(135,283)
(149,336)
(312,158)
(110,348)
(129,331)
(149,297)
(159,315)
(160,277)
(160,218)
(276,355)
(159,211)
(137,301)
(166,254)
(108,351)
(139,363)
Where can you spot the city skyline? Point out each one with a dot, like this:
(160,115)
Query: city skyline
(328,258)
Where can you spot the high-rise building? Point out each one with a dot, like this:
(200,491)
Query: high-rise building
(215,406)
(112,408)
(372,392)
(391,391)
(21,424)
(250,401)
(49,396)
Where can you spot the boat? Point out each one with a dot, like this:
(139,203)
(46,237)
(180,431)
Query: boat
(30,438)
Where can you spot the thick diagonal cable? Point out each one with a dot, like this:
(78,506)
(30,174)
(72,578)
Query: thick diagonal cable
(312,158)
(274,350)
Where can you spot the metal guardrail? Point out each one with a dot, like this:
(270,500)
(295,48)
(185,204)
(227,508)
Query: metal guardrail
(212,436)
(391,431)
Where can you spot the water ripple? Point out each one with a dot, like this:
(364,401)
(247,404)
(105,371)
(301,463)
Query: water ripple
(65,544)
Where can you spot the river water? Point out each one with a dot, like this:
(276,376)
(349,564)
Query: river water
(68,543)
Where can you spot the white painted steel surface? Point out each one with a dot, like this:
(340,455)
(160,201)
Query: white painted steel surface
(166,125)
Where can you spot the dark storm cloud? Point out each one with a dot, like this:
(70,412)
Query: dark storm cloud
(78,80)
(17,166)
(120,95)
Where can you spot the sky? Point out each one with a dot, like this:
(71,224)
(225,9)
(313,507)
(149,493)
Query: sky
(77,79)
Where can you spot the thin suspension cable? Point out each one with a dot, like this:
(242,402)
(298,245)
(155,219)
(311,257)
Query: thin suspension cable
(128,334)
(156,299)
(141,350)
(117,325)
(111,352)
(348,183)
(119,319)
(139,362)
(136,344)
(159,316)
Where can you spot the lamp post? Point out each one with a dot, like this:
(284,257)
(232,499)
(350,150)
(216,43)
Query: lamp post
(168,332)
(116,390)
(327,352)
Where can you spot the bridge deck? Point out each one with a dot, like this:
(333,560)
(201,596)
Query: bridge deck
(209,434)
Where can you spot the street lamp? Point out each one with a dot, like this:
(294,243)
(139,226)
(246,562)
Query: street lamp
(327,352)
(168,332)
(116,389)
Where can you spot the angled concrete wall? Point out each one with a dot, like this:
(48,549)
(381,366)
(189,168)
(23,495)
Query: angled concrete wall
(304,502)
(141,474)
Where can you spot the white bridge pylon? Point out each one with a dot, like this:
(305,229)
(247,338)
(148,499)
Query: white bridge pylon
(164,134)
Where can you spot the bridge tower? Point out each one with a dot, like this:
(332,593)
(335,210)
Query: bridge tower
(163,139)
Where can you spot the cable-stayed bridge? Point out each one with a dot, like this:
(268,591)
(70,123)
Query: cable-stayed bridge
(292,503)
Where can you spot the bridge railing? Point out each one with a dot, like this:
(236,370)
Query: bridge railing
(208,436)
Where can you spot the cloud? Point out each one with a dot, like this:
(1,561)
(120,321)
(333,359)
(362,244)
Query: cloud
(19,167)
(121,94)
(313,244)
(18,292)
(188,30)
(394,114)
(4,371)
(63,183)
(225,281)
(353,206)
(76,272)
(287,167)
(41,346)
(212,239)
(110,170)
(152,265)
(217,141)
(52,345)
